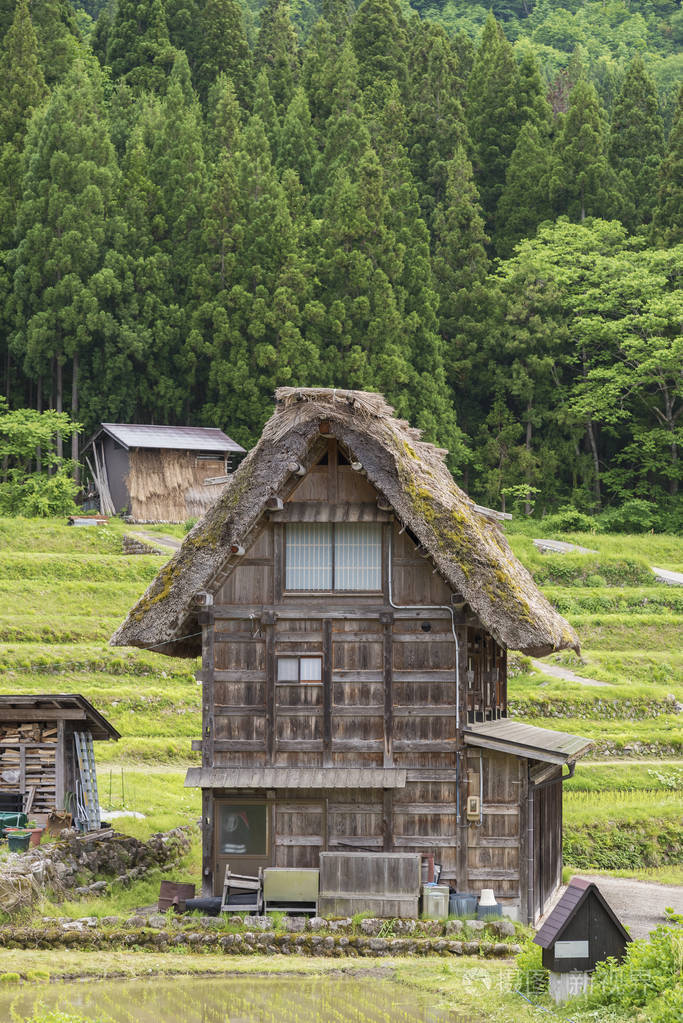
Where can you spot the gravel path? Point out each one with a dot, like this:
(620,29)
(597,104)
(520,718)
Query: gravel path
(555,671)
(638,904)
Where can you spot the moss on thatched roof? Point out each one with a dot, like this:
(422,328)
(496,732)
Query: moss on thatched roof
(470,552)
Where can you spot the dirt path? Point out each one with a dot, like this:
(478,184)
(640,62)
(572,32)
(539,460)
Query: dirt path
(158,540)
(555,671)
(638,904)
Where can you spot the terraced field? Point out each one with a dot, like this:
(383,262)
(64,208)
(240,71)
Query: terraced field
(63,592)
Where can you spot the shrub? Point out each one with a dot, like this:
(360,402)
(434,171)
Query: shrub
(531,977)
(634,516)
(648,979)
(568,519)
(37,495)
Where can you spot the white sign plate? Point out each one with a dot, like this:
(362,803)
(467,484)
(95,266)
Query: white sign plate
(571,950)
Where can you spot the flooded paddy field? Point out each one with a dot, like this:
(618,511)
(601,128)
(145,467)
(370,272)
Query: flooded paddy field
(254,999)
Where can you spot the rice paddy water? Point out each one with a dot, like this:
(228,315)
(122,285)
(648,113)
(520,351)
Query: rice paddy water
(254,999)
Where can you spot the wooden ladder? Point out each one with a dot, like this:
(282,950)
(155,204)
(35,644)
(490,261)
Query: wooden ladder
(86,766)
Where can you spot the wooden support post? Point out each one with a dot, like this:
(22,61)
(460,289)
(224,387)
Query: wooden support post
(22,768)
(206,619)
(332,464)
(387,620)
(388,820)
(278,561)
(327,693)
(268,623)
(208,844)
(461,767)
(61,754)
(524,849)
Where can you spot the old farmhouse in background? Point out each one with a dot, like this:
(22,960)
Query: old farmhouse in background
(158,473)
(353,611)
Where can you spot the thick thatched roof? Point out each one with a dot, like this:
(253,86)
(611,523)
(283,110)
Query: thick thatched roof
(471,554)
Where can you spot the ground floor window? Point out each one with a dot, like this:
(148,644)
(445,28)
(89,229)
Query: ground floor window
(242,829)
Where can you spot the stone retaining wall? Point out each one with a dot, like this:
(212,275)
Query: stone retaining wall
(79,865)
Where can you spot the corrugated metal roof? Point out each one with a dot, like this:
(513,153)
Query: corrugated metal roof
(527,741)
(175,438)
(295,778)
(577,891)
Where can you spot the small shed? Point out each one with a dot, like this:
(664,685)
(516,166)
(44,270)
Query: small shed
(37,746)
(157,473)
(581,931)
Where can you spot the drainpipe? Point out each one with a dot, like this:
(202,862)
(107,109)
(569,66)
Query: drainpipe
(459,809)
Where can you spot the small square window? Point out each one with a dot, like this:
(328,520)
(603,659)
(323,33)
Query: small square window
(311,669)
(299,669)
(288,669)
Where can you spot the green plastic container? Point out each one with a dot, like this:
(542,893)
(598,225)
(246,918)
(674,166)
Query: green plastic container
(13,820)
(18,841)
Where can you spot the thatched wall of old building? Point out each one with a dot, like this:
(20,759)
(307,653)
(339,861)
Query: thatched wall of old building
(168,486)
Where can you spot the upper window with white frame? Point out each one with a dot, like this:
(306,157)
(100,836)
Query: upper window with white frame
(333,556)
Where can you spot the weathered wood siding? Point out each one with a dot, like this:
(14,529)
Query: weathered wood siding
(493,845)
(387,696)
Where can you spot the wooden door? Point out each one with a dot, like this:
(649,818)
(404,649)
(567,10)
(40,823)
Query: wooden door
(547,844)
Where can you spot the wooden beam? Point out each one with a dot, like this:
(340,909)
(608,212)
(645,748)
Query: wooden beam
(278,563)
(46,714)
(388,820)
(363,607)
(271,676)
(332,466)
(388,668)
(327,675)
(208,718)
(61,754)
(314,511)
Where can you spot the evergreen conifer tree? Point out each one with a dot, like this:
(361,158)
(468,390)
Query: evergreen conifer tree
(58,37)
(297,139)
(667,224)
(525,200)
(277,52)
(139,48)
(636,144)
(223,118)
(410,274)
(250,315)
(436,120)
(221,46)
(178,169)
(460,269)
(67,226)
(380,43)
(22,85)
(580,183)
(266,111)
(346,135)
(493,115)
(532,104)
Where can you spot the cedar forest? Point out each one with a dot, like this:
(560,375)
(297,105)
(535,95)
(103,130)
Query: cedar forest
(475,211)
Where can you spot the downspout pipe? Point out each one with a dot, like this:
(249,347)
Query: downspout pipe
(431,607)
(459,810)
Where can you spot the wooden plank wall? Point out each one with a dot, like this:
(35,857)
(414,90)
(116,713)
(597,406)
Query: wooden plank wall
(494,844)
(387,699)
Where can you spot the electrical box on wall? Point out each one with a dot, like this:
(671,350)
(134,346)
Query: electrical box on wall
(473,808)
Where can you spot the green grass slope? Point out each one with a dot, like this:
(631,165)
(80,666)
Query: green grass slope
(64,590)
